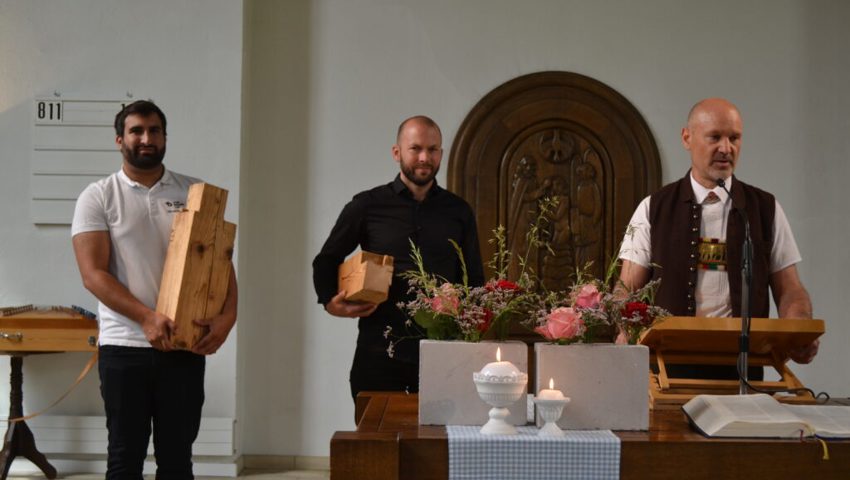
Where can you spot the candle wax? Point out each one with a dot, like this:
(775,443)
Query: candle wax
(500,369)
(548,394)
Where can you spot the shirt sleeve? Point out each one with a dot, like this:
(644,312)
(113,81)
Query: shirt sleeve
(785,252)
(472,251)
(343,239)
(636,246)
(89,212)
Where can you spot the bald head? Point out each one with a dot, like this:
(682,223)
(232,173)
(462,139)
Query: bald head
(711,106)
(420,120)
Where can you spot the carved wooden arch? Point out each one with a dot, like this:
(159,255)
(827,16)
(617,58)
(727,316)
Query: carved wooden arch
(555,134)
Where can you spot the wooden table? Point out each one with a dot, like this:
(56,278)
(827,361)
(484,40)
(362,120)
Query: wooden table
(389,444)
(31,330)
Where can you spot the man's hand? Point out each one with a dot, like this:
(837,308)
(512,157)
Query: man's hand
(218,328)
(158,330)
(338,306)
(806,353)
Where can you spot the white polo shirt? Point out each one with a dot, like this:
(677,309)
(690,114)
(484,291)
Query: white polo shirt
(712,291)
(138,220)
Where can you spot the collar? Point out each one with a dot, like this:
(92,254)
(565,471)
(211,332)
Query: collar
(701,192)
(399,188)
(165,179)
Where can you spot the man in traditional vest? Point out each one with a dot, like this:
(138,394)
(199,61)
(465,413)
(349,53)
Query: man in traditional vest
(687,234)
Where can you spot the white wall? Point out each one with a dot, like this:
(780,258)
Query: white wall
(185,55)
(326,83)
(362,66)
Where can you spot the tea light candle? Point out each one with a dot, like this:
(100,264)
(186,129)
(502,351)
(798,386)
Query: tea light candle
(550,393)
(500,368)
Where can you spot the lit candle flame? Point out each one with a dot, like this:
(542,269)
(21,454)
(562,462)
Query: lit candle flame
(551,383)
(498,354)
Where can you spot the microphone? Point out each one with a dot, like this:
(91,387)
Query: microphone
(746,288)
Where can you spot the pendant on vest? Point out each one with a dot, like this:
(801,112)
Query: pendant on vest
(712,254)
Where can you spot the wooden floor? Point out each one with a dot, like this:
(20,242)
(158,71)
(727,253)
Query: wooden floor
(246,475)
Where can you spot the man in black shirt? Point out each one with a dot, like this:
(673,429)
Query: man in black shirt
(384,220)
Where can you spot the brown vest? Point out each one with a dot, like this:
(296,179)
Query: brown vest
(675,218)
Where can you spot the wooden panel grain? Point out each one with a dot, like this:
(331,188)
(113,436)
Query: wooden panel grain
(360,456)
(197,266)
(670,449)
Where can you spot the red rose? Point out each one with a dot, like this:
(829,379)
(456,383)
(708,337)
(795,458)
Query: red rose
(638,310)
(503,285)
(484,325)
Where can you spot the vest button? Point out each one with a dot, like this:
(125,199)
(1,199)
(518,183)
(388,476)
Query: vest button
(693,242)
(694,229)
(690,308)
(690,284)
(693,256)
(692,269)
(696,216)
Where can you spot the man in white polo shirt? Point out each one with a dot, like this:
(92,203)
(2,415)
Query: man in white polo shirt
(687,235)
(120,232)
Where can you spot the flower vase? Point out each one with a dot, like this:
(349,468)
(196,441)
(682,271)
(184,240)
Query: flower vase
(447,393)
(607,384)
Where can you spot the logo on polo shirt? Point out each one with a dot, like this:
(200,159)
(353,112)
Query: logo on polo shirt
(173,206)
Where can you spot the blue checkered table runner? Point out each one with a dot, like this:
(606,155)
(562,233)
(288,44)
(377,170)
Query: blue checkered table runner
(580,454)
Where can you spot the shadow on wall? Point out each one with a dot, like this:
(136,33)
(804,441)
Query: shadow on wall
(274,192)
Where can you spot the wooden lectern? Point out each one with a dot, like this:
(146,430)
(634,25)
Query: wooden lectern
(714,341)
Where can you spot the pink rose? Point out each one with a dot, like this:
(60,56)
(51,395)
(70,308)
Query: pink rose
(446,300)
(562,323)
(588,296)
(622,339)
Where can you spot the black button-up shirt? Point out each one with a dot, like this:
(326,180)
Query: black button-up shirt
(381,220)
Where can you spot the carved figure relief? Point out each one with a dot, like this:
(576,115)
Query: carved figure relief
(563,135)
(555,163)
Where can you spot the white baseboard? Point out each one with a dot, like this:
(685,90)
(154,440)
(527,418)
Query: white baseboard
(285,462)
(87,435)
(65,466)
(77,444)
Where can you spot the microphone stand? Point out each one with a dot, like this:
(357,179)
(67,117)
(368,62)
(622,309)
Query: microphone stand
(746,288)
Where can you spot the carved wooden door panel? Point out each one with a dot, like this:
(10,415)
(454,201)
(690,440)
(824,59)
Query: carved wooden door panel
(555,134)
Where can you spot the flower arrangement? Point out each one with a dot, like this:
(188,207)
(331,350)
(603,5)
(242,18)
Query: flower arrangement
(457,311)
(595,307)
(447,311)
(450,311)
(589,310)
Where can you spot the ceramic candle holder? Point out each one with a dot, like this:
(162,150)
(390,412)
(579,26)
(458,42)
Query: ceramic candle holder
(499,391)
(550,411)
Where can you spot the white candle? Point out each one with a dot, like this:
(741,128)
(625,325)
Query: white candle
(550,393)
(500,368)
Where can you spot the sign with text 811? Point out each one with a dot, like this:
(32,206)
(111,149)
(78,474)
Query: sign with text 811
(53,111)
(48,111)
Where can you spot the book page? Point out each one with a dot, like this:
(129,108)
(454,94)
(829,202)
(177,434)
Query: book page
(758,408)
(828,421)
(757,415)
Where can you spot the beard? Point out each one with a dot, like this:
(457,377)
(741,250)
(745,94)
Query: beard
(410,173)
(146,161)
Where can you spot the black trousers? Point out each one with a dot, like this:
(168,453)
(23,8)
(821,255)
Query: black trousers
(144,388)
(376,371)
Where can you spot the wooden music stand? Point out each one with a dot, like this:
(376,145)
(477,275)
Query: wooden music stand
(28,330)
(714,341)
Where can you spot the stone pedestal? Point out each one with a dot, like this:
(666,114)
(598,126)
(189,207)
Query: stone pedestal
(607,384)
(447,394)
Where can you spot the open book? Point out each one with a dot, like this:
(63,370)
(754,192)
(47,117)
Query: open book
(761,415)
